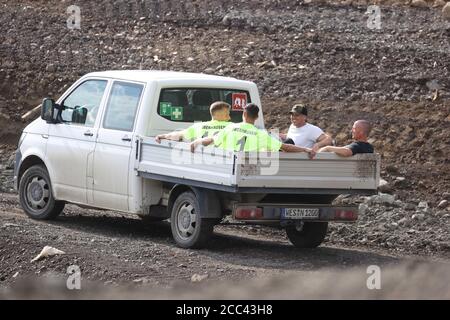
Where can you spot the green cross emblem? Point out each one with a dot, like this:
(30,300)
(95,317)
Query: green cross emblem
(177,113)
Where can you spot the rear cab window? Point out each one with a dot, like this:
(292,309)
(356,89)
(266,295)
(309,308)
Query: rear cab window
(192,104)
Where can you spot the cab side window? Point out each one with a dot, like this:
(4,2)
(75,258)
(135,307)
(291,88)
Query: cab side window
(122,106)
(82,105)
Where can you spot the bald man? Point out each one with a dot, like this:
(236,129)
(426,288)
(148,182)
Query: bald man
(360,133)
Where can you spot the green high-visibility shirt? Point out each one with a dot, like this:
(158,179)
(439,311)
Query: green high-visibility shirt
(204,129)
(246,137)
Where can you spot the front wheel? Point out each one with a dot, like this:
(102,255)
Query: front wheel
(189,229)
(308,234)
(36,196)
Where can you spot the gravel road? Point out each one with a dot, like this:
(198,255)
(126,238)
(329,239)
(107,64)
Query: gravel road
(120,256)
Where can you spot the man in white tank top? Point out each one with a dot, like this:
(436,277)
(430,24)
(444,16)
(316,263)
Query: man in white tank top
(303,134)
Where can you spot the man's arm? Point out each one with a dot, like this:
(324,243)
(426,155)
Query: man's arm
(204,141)
(322,141)
(340,151)
(176,136)
(291,148)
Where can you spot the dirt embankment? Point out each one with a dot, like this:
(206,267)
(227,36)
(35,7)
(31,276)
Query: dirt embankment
(319,52)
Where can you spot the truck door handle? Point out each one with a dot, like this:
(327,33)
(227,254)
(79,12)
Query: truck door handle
(126,138)
(88,134)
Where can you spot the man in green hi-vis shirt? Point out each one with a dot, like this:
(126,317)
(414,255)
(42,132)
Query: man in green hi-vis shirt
(246,137)
(220,114)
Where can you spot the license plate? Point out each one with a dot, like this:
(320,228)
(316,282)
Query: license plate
(300,213)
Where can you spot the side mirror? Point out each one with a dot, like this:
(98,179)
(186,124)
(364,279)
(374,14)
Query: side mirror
(48,110)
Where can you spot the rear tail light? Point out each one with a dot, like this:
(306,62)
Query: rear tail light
(248,213)
(345,215)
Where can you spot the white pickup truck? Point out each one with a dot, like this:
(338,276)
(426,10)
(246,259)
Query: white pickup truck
(95,147)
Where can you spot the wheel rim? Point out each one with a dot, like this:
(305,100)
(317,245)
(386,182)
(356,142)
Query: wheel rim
(186,221)
(37,194)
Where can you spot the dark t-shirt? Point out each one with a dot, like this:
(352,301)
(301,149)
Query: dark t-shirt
(360,147)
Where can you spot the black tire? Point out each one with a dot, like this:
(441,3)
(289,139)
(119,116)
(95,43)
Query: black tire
(189,230)
(311,235)
(36,196)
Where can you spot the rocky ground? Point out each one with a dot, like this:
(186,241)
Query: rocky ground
(121,257)
(320,52)
(7,168)
(406,227)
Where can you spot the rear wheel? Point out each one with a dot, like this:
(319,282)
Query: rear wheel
(189,229)
(36,196)
(307,234)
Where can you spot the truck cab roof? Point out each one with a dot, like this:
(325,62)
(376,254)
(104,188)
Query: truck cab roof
(154,75)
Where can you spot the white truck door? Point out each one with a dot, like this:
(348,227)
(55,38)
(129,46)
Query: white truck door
(112,156)
(71,143)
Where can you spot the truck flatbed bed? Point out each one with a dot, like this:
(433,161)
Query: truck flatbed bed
(281,172)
